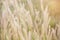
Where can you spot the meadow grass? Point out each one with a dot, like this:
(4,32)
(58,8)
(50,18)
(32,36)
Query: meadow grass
(27,20)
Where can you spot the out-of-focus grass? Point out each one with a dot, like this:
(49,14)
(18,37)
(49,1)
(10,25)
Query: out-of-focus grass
(27,20)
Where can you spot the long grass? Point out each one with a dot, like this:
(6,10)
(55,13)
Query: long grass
(27,20)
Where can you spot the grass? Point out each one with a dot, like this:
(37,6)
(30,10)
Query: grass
(23,20)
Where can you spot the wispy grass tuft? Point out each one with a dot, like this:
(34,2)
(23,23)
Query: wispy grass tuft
(20,20)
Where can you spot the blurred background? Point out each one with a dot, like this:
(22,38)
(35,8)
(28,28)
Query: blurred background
(29,20)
